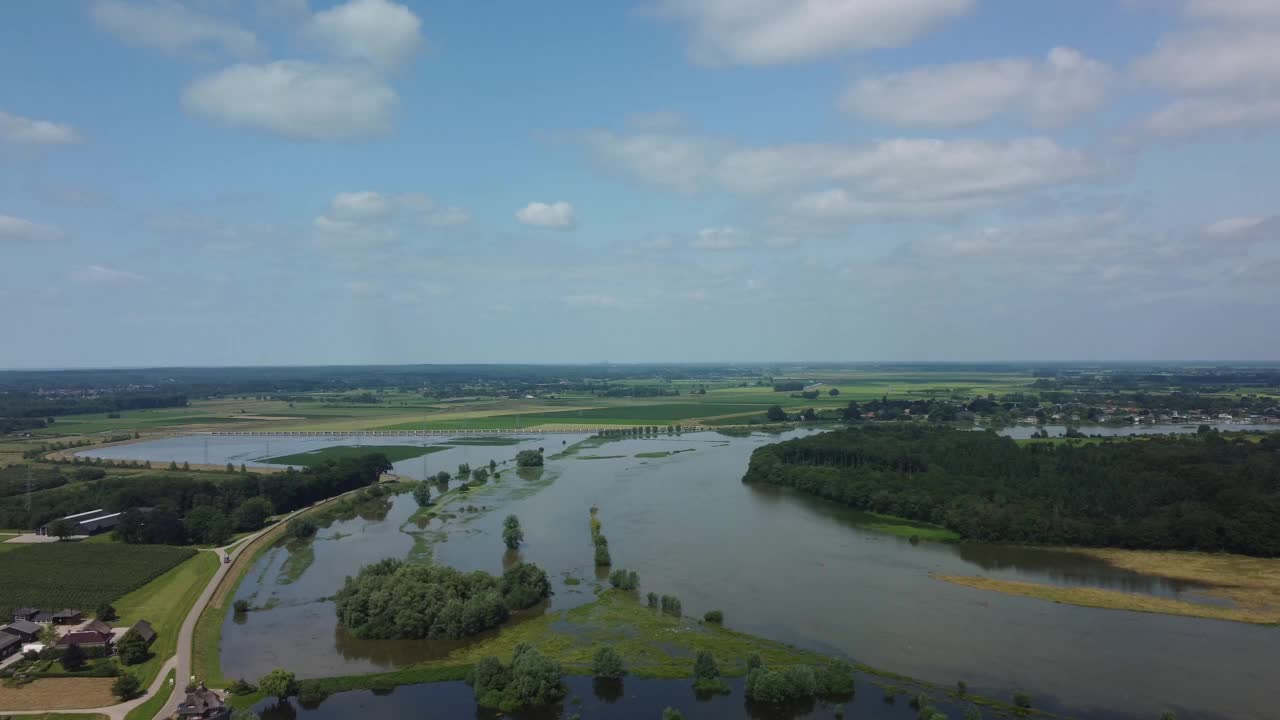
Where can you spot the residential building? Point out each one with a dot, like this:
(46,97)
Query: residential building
(68,616)
(203,704)
(9,645)
(86,639)
(24,630)
(143,628)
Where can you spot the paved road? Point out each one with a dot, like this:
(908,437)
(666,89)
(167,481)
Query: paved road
(182,660)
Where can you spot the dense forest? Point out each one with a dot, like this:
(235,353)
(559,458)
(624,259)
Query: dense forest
(1209,492)
(184,508)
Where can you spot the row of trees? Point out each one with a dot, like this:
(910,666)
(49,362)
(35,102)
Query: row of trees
(210,511)
(1210,492)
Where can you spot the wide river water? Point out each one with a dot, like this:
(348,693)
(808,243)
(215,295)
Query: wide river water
(779,564)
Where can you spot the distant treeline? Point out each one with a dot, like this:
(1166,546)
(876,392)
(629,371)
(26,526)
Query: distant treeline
(28,410)
(1208,492)
(175,497)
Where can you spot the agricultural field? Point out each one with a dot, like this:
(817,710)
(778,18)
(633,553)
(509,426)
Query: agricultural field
(80,575)
(394,453)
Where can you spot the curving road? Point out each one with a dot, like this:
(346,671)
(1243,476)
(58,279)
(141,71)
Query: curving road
(181,661)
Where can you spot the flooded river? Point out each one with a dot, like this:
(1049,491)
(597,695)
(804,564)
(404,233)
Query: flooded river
(779,564)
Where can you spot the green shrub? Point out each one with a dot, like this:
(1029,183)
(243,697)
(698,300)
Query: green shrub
(532,680)
(624,579)
(713,616)
(607,663)
(126,687)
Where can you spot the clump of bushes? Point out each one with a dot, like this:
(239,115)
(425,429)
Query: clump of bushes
(531,680)
(302,527)
(607,663)
(670,605)
(796,682)
(713,616)
(706,674)
(241,606)
(624,579)
(242,687)
(652,599)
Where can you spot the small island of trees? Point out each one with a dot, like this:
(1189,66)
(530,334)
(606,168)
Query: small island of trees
(393,599)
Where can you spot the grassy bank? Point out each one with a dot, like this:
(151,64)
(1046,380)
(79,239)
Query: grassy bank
(1115,600)
(903,527)
(154,704)
(165,602)
(394,453)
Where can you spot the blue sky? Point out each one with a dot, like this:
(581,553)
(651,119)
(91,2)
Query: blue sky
(217,182)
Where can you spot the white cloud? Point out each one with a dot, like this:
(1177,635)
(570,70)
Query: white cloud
(764,32)
(909,170)
(1192,116)
(559,215)
(897,178)
(18,229)
(367,206)
(1065,85)
(1234,226)
(173,28)
(666,159)
(361,205)
(297,99)
(347,235)
(1214,60)
(376,31)
(105,275)
(722,238)
(25,131)
(1234,11)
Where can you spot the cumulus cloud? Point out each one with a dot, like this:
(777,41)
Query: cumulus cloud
(366,205)
(672,160)
(383,33)
(1196,115)
(721,238)
(296,99)
(1231,227)
(558,215)
(170,27)
(1214,60)
(897,178)
(765,32)
(26,131)
(349,235)
(1234,11)
(18,229)
(1051,92)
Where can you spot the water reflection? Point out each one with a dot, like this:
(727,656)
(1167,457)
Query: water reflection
(778,564)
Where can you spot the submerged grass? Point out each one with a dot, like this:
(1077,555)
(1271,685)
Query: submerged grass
(663,453)
(1116,600)
(906,528)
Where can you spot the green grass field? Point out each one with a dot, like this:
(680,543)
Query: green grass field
(165,602)
(151,707)
(394,453)
(59,575)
